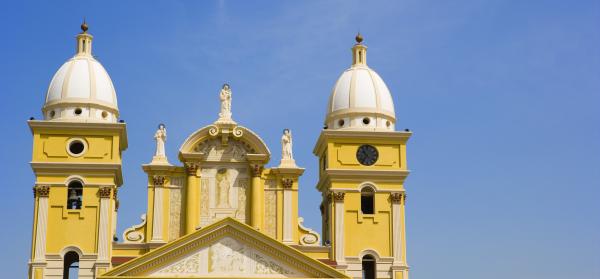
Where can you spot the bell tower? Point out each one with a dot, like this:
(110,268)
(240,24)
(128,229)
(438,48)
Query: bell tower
(362,171)
(76,159)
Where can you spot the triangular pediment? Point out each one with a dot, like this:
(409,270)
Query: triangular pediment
(225,249)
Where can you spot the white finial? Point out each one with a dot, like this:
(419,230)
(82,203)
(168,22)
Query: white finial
(287,156)
(160,136)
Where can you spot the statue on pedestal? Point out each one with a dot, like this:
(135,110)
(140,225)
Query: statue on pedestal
(225,97)
(160,136)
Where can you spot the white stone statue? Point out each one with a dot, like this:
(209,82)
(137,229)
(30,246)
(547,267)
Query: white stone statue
(287,156)
(225,97)
(223,189)
(161,137)
(286,145)
(160,157)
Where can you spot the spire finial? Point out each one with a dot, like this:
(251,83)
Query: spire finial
(84,26)
(359,38)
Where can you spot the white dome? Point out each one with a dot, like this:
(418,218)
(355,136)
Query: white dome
(81,89)
(360,99)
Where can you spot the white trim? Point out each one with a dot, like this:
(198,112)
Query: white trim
(366,184)
(287,216)
(40,230)
(85,147)
(339,233)
(157,216)
(74,178)
(103,229)
(72,248)
(396,233)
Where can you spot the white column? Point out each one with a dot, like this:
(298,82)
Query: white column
(157,219)
(396,227)
(339,228)
(42,223)
(104,228)
(158,215)
(287,216)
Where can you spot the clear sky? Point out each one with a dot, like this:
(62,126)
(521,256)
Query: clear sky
(503,98)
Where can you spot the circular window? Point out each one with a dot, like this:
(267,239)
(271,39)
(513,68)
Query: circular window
(78,111)
(341,122)
(76,147)
(366,121)
(52,114)
(104,114)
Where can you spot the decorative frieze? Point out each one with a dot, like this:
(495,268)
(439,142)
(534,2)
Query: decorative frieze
(42,191)
(159,180)
(104,192)
(338,196)
(287,183)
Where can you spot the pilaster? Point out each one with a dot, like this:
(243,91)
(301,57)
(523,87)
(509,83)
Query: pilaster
(158,210)
(103,228)
(338,199)
(257,200)
(191,200)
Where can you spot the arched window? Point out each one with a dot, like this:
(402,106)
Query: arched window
(71,265)
(367,200)
(368,267)
(74,195)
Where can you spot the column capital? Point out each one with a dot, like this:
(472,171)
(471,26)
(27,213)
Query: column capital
(104,192)
(191,168)
(338,196)
(398,197)
(159,180)
(42,191)
(257,170)
(287,183)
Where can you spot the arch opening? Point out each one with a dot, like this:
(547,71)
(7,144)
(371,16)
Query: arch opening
(74,194)
(71,265)
(367,200)
(369,267)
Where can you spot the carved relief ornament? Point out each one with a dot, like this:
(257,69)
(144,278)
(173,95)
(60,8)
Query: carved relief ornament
(158,180)
(42,191)
(398,197)
(257,170)
(287,183)
(338,196)
(104,192)
(191,168)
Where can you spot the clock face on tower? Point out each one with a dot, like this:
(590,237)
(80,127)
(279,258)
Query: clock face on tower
(367,155)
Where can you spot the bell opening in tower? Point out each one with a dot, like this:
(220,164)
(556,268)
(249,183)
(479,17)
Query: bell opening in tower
(71,265)
(74,192)
(368,267)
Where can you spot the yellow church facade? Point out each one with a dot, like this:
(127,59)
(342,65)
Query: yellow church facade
(220,211)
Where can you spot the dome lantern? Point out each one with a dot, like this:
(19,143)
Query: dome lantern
(81,90)
(360,99)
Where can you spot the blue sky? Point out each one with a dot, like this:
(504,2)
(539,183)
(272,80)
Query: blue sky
(503,98)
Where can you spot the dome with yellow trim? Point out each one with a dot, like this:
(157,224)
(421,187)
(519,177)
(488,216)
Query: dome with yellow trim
(81,90)
(360,100)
